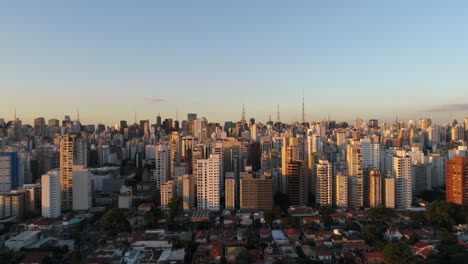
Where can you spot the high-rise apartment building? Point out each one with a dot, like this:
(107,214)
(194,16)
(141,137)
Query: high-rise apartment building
(375,187)
(457,180)
(324,183)
(355,169)
(66,171)
(51,194)
(403,180)
(341,190)
(82,189)
(296,182)
(168,190)
(229,193)
(176,147)
(39,127)
(162,171)
(208,189)
(188,192)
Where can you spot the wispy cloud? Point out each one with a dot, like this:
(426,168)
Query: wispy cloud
(449,108)
(154,100)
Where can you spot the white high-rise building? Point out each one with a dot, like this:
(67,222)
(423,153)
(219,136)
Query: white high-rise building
(208,190)
(324,183)
(402,174)
(82,189)
(51,194)
(162,157)
(371,154)
(356,174)
(341,190)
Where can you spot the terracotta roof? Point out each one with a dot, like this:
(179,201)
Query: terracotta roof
(264,231)
(291,232)
(372,255)
(421,245)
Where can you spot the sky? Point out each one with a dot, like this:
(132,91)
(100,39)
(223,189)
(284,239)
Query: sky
(371,59)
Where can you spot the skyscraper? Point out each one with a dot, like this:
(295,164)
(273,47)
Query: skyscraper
(457,181)
(9,171)
(355,169)
(256,193)
(176,147)
(208,176)
(296,182)
(82,189)
(375,188)
(341,189)
(162,171)
(51,194)
(66,171)
(403,179)
(324,186)
(229,193)
(39,126)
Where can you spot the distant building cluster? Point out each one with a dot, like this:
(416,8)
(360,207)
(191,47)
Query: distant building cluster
(59,166)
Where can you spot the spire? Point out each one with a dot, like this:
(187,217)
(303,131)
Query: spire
(278,115)
(135,118)
(303,111)
(78,115)
(243,114)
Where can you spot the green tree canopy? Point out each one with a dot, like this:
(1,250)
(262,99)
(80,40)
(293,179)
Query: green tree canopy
(380,213)
(396,253)
(445,214)
(114,221)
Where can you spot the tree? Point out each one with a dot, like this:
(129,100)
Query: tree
(396,253)
(175,206)
(380,213)
(370,233)
(156,198)
(282,200)
(445,214)
(418,218)
(151,217)
(114,222)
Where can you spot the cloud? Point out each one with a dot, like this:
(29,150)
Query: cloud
(449,108)
(154,100)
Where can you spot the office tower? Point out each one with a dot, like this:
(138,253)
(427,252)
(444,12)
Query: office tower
(458,132)
(229,193)
(39,127)
(356,174)
(158,121)
(424,123)
(80,152)
(17,129)
(289,153)
(341,189)
(375,187)
(167,125)
(457,181)
(179,171)
(254,156)
(256,193)
(208,176)
(9,171)
(199,127)
(373,123)
(439,171)
(389,192)
(143,128)
(176,147)
(324,183)
(51,194)
(66,171)
(254,132)
(53,122)
(162,155)
(371,154)
(188,192)
(466,129)
(82,189)
(341,137)
(191,117)
(168,190)
(421,178)
(296,182)
(25,173)
(403,180)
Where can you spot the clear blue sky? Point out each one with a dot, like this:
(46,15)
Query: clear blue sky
(112,58)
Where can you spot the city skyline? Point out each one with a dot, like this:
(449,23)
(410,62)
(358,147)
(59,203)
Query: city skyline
(348,59)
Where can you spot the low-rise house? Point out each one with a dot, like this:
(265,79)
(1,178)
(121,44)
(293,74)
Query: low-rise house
(392,234)
(372,258)
(422,249)
(292,234)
